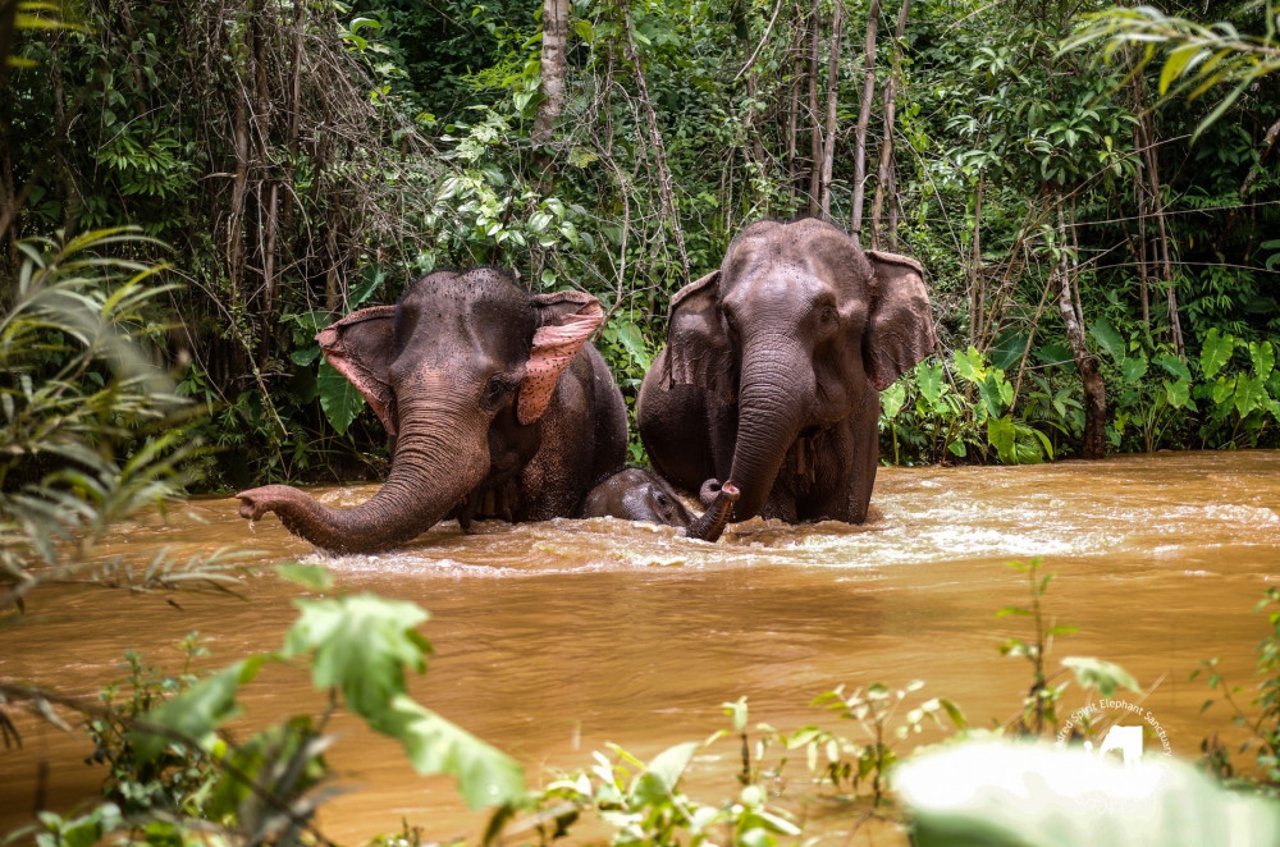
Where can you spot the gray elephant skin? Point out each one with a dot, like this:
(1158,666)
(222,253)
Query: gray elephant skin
(497,405)
(635,494)
(773,367)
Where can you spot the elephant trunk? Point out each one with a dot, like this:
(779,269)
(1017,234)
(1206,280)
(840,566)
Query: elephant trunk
(435,466)
(777,377)
(710,525)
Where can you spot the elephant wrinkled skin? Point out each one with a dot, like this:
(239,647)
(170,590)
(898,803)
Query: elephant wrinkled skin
(773,367)
(496,404)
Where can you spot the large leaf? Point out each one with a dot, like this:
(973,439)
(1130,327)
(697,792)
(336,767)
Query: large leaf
(195,713)
(891,400)
(1108,338)
(1173,365)
(1003,794)
(360,645)
(1263,356)
(339,399)
(1250,394)
(1001,434)
(1133,368)
(659,780)
(929,377)
(1008,349)
(969,365)
(1178,393)
(434,745)
(1216,352)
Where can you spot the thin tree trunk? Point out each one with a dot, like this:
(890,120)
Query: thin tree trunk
(864,119)
(1095,397)
(829,135)
(1151,162)
(665,189)
(793,123)
(815,126)
(977,293)
(555,34)
(886,146)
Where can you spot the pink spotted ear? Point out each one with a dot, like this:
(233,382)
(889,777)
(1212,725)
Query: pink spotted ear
(567,320)
(361,347)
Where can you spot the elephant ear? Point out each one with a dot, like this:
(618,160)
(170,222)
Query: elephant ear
(566,321)
(900,328)
(698,349)
(361,347)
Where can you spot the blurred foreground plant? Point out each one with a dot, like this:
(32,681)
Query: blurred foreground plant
(92,430)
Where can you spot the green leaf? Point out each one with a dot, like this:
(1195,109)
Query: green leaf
(1173,365)
(360,645)
(196,712)
(1250,394)
(434,745)
(663,773)
(1263,356)
(1223,390)
(1178,61)
(1133,368)
(629,336)
(1108,338)
(1001,434)
(929,378)
(1216,352)
(1096,673)
(969,365)
(891,400)
(315,577)
(340,400)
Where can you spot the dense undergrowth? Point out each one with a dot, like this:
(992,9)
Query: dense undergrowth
(307,158)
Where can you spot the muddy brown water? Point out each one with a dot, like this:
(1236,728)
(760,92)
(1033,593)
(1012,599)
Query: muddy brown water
(553,639)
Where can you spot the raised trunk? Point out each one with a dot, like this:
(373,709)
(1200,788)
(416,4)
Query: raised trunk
(710,525)
(770,414)
(434,468)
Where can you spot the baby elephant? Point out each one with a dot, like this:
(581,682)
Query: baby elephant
(638,495)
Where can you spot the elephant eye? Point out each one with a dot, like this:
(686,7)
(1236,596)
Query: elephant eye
(497,390)
(827,314)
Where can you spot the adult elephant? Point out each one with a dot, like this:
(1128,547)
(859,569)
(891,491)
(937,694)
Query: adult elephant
(773,367)
(496,404)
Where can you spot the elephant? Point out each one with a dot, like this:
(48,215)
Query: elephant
(497,405)
(773,366)
(635,494)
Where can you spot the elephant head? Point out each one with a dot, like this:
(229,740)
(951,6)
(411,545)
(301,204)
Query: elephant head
(461,373)
(638,495)
(786,347)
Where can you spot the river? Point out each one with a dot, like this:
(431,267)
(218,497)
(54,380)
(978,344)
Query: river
(553,639)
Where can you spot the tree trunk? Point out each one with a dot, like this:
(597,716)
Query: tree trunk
(793,129)
(815,126)
(1151,164)
(886,147)
(864,119)
(555,34)
(1095,396)
(829,135)
(977,293)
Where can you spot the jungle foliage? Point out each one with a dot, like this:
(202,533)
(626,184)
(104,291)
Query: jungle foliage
(1098,226)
